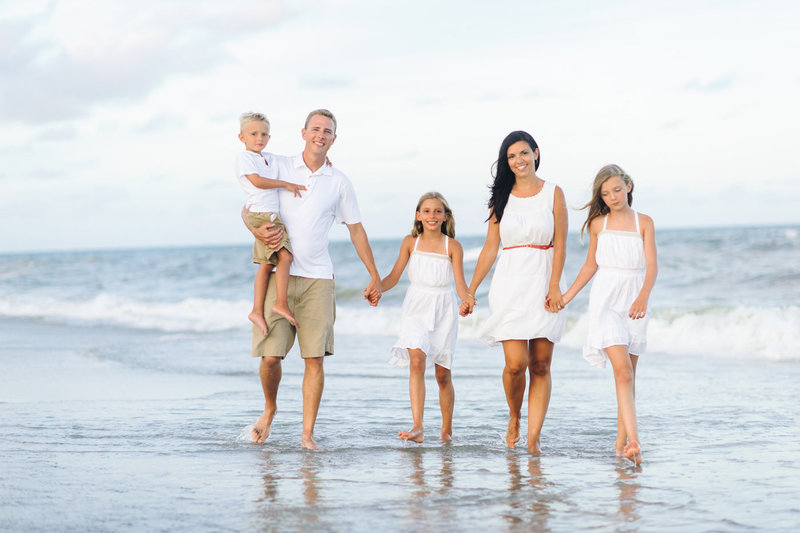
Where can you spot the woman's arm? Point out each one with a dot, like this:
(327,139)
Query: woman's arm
(560,227)
(485,261)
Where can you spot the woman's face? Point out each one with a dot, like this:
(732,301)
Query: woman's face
(522,159)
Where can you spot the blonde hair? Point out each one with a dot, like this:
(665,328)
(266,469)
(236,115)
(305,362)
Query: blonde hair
(448,226)
(252,117)
(324,113)
(597,207)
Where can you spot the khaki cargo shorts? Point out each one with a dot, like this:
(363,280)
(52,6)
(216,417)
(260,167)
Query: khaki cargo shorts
(262,253)
(313,304)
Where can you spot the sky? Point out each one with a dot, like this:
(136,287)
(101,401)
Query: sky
(119,120)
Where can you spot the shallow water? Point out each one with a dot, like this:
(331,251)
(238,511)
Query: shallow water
(98,436)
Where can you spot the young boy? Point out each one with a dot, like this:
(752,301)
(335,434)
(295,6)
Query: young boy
(257,175)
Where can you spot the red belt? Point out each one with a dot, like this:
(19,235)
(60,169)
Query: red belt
(537,246)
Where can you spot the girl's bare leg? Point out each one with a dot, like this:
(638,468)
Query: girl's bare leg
(447,397)
(541,354)
(516,354)
(282,286)
(626,406)
(622,438)
(256,316)
(416,391)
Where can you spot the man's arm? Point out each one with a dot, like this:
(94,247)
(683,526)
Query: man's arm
(361,243)
(270,237)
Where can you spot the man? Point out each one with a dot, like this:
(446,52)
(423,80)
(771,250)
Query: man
(329,197)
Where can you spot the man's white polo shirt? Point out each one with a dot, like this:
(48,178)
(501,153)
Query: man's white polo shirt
(329,198)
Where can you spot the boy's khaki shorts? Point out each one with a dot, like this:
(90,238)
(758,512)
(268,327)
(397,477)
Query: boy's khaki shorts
(261,252)
(313,304)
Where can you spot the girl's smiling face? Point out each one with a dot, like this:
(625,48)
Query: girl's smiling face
(614,193)
(432,215)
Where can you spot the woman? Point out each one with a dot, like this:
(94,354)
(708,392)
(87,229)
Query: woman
(529,216)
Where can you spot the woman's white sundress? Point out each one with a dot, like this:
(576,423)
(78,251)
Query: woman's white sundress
(522,275)
(616,284)
(430,311)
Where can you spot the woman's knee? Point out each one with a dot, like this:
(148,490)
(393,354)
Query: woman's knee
(443,376)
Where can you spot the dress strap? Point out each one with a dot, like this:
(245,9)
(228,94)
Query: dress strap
(416,242)
(605,221)
(636,215)
(446,245)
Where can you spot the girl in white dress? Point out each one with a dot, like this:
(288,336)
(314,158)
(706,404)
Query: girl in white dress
(622,259)
(429,324)
(529,216)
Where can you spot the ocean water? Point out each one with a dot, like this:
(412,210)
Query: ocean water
(126,388)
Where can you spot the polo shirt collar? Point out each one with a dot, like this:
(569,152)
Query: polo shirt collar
(300,163)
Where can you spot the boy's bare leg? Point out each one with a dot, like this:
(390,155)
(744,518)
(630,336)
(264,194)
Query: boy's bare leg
(416,392)
(270,373)
(256,316)
(282,287)
(313,383)
(447,397)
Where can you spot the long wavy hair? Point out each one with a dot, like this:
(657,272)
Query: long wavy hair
(448,226)
(597,207)
(504,178)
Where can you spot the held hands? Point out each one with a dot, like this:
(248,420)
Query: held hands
(638,308)
(372,293)
(467,305)
(554,302)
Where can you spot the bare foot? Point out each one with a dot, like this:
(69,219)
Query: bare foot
(533,446)
(633,452)
(512,433)
(308,443)
(286,313)
(446,437)
(260,430)
(258,320)
(416,434)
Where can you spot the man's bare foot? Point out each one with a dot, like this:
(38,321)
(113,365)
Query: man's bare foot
(415,434)
(307,442)
(512,433)
(260,430)
(446,437)
(533,446)
(286,313)
(258,320)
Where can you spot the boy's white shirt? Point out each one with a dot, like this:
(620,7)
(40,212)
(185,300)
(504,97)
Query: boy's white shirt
(258,200)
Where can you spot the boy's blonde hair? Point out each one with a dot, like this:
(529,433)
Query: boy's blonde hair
(448,226)
(252,117)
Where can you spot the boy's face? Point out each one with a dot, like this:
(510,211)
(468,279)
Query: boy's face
(255,135)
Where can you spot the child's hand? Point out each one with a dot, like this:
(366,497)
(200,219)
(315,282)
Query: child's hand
(554,301)
(466,307)
(294,188)
(638,308)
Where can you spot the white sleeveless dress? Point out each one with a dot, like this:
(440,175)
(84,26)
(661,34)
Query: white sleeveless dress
(522,275)
(430,310)
(616,284)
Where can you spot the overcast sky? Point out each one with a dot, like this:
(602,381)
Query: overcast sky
(118,120)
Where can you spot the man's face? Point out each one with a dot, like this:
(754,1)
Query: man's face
(319,135)
(255,135)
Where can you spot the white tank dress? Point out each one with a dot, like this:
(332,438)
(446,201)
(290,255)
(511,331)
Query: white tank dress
(430,310)
(616,284)
(522,275)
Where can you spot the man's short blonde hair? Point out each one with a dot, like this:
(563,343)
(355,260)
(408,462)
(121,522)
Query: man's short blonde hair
(324,113)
